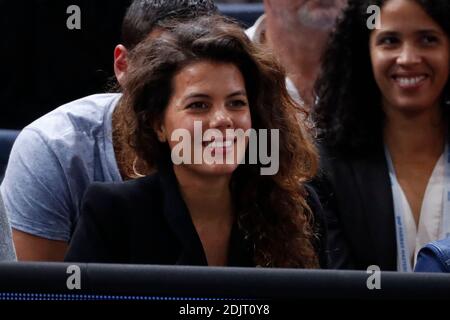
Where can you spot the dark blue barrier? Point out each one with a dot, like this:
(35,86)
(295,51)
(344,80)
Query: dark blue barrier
(215,283)
(245,13)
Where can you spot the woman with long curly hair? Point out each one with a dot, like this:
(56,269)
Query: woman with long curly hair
(382,119)
(200,76)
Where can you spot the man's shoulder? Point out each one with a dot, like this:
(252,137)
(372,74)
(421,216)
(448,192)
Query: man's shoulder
(75,140)
(85,116)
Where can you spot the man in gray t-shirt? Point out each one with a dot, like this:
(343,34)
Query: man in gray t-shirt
(56,157)
(53,161)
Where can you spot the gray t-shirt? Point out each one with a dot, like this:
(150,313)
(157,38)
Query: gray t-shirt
(53,161)
(7,252)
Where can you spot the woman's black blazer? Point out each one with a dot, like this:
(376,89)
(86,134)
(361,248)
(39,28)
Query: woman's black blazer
(355,191)
(145,221)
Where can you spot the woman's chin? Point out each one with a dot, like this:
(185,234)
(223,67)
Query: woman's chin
(215,169)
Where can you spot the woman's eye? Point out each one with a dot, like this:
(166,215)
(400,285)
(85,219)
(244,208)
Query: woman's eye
(237,103)
(429,39)
(388,41)
(197,106)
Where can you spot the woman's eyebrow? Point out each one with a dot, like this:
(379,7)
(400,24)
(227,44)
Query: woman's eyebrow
(387,33)
(196,95)
(428,31)
(237,93)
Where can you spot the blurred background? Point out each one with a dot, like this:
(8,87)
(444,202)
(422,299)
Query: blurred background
(44,64)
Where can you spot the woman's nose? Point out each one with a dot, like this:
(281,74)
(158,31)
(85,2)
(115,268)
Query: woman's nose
(221,118)
(409,55)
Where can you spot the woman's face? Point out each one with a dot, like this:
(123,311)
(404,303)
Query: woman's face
(410,57)
(207,95)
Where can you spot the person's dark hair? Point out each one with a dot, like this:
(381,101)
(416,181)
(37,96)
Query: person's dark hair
(144,15)
(271,210)
(349,115)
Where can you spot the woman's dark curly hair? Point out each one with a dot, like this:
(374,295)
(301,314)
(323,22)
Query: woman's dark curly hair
(348,114)
(271,210)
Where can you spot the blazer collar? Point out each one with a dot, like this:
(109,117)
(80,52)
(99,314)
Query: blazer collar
(179,219)
(180,222)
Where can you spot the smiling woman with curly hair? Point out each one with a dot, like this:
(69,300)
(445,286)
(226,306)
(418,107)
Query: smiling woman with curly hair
(382,119)
(206,72)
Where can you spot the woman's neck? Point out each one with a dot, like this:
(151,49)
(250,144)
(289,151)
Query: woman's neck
(415,143)
(208,198)
(415,136)
(209,202)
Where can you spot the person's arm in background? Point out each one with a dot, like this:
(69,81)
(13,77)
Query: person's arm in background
(339,253)
(37,199)
(33,248)
(434,257)
(7,252)
(337,248)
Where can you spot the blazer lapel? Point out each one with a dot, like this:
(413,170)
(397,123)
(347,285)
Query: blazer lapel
(179,220)
(372,179)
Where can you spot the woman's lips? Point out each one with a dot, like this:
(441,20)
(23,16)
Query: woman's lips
(220,146)
(410,81)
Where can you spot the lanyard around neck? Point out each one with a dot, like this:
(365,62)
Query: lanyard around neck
(403,250)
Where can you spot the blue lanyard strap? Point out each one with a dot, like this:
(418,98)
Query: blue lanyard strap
(403,250)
